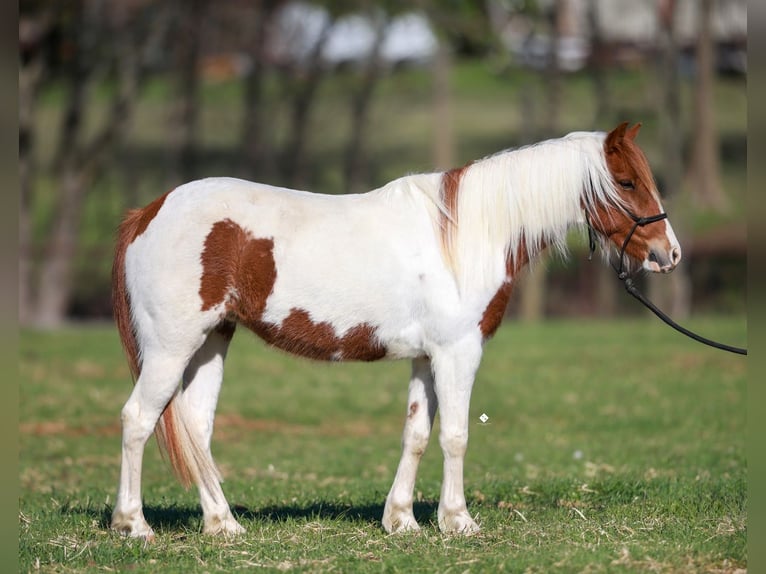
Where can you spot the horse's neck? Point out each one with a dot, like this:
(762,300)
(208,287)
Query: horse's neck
(509,208)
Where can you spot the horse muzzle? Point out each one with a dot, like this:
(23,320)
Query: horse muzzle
(663,260)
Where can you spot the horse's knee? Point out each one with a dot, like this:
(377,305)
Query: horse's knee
(136,428)
(416,442)
(454,443)
(129,416)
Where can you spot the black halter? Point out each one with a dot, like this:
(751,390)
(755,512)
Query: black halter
(637,222)
(630,287)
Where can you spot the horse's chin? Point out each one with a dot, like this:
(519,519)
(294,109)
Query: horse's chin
(651,266)
(654,267)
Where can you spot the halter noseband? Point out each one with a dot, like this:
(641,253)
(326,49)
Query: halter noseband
(637,222)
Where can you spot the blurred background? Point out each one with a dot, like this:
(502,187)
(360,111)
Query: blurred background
(121,101)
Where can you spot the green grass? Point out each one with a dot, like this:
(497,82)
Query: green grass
(610,447)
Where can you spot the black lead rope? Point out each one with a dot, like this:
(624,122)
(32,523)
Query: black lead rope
(630,287)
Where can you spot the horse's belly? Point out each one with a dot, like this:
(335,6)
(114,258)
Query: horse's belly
(300,335)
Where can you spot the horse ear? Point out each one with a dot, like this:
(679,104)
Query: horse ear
(613,137)
(632,132)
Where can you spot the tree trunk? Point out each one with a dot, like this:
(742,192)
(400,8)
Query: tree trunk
(672,292)
(553,73)
(186,113)
(534,286)
(80,162)
(602,113)
(257,133)
(443,139)
(31,71)
(56,273)
(54,281)
(355,168)
(606,286)
(294,157)
(705,160)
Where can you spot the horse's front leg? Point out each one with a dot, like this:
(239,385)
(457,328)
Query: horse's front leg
(421,408)
(454,370)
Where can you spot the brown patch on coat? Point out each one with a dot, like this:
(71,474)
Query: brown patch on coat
(448,194)
(300,335)
(239,271)
(233,261)
(413,409)
(495,310)
(148,213)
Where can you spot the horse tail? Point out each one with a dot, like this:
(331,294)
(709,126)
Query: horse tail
(188,459)
(126,233)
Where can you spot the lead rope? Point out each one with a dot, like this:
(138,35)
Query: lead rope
(630,287)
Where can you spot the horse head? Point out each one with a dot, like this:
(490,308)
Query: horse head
(638,227)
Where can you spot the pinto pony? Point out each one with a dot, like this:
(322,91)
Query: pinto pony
(421,269)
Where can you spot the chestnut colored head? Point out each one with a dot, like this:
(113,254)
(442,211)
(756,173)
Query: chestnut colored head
(653,246)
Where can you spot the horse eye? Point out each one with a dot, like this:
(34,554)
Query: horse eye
(627,184)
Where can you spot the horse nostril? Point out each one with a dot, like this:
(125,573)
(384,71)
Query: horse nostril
(675,256)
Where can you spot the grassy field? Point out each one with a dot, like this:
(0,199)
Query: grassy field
(610,447)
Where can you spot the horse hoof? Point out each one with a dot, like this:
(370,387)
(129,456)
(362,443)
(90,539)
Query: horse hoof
(460,523)
(400,524)
(227,526)
(137,528)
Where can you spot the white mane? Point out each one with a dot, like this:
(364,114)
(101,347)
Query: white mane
(531,195)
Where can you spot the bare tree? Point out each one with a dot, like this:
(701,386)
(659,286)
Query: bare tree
(535,286)
(443,139)
(32,32)
(705,159)
(257,133)
(81,153)
(552,72)
(190,16)
(304,95)
(454,23)
(606,288)
(670,292)
(598,64)
(355,168)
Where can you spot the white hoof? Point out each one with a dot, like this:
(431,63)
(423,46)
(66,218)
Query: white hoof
(223,526)
(458,523)
(400,522)
(132,525)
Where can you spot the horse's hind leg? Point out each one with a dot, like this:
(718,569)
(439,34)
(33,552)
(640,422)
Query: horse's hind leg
(421,408)
(202,384)
(158,381)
